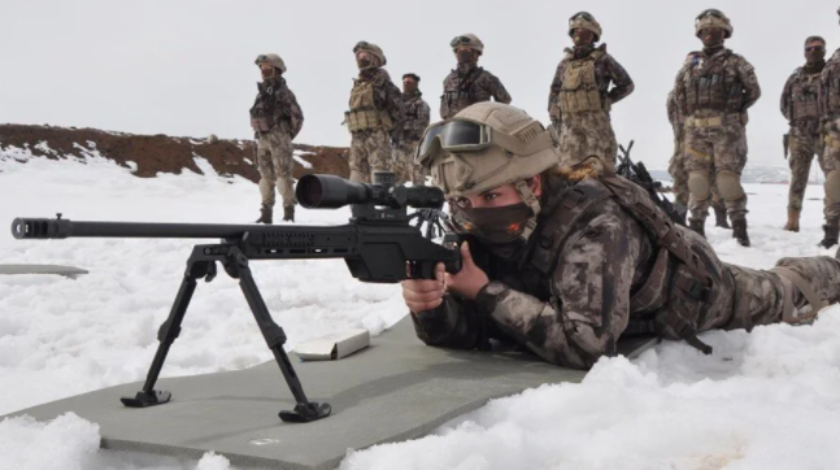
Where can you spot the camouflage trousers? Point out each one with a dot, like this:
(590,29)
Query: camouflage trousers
(679,175)
(831,167)
(583,135)
(404,166)
(802,147)
(715,156)
(275,162)
(370,152)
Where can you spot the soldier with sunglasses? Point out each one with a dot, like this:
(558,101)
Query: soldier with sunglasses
(376,115)
(714,89)
(580,98)
(469,83)
(800,107)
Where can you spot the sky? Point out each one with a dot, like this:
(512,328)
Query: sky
(186,67)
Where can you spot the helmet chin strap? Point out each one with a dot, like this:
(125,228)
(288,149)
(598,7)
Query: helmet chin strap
(531,201)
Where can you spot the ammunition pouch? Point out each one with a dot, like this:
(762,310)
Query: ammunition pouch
(368,119)
(579,92)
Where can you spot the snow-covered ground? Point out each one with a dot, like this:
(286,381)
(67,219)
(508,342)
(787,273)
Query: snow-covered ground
(765,400)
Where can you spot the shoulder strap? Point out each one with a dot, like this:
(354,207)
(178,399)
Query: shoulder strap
(564,215)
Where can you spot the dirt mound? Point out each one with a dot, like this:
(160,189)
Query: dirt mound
(151,154)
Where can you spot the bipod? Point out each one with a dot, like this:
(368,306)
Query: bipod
(202,264)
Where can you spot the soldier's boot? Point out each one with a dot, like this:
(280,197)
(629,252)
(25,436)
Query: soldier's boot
(698,225)
(289,213)
(832,231)
(792,224)
(266,214)
(739,232)
(720,216)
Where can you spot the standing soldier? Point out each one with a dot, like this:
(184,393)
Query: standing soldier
(829,108)
(713,90)
(469,83)
(580,98)
(376,114)
(676,167)
(417,117)
(799,106)
(276,119)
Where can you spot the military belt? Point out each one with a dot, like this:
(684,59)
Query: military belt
(714,121)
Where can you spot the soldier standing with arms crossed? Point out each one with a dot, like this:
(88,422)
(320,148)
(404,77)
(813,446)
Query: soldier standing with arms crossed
(469,83)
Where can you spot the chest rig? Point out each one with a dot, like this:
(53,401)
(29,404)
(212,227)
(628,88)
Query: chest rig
(674,298)
(831,78)
(269,108)
(579,92)
(462,90)
(803,98)
(364,114)
(712,83)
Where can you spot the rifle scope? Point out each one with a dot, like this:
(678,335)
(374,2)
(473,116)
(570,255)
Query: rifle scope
(331,192)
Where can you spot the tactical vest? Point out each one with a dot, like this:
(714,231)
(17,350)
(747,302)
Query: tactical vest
(363,114)
(833,83)
(674,299)
(413,129)
(267,113)
(579,91)
(460,92)
(711,83)
(803,98)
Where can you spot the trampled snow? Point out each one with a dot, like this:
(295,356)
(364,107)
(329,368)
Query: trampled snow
(765,400)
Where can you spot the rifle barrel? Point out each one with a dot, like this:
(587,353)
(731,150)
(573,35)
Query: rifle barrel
(24,228)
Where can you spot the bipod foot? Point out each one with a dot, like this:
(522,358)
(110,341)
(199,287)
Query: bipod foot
(145,400)
(305,413)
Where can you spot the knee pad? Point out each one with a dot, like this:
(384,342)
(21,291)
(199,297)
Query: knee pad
(832,186)
(698,185)
(729,185)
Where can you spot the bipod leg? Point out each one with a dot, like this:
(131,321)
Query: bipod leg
(169,331)
(237,266)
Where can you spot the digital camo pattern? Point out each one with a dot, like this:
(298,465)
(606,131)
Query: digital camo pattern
(370,152)
(275,162)
(574,313)
(469,84)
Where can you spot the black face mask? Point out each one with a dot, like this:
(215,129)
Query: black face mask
(498,228)
(815,56)
(363,63)
(465,57)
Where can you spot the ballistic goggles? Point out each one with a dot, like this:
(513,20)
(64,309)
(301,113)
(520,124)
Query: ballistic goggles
(361,45)
(461,41)
(582,14)
(459,135)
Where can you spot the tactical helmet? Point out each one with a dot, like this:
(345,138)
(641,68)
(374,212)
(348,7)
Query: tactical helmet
(586,21)
(375,50)
(713,18)
(271,59)
(486,145)
(470,40)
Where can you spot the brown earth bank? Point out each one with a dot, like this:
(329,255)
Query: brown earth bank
(161,153)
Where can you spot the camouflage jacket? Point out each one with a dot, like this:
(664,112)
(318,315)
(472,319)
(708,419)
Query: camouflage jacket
(829,89)
(417,117)
(723,82)
(276,103)
(799,102)
(386,96)
(607,71)
(570,302)
(468,85)
(674,116)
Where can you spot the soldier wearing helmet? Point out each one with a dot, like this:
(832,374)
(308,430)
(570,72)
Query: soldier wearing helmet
(468,83)
(714,89)
(417,117)
(581,95)
(376,115)
(799,105)
(276,119)
(829,109)
(565,261)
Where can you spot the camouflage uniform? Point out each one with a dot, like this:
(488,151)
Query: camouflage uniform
(469,84)
(713,92)
(676,166)
(579,104)
(376,113)
(417,118)
(277,120)
(829,109)
(799,106)
(585,280)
